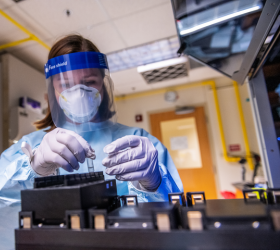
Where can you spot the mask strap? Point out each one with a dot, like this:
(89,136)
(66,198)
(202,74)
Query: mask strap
(62,96)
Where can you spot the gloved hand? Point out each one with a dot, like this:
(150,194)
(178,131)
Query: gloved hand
(138,162)
(60,148)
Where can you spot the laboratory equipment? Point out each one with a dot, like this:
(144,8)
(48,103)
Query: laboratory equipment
(88,214)
(229,36)
(53,196)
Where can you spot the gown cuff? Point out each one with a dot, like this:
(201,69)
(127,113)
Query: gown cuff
(161,194)
(33,173)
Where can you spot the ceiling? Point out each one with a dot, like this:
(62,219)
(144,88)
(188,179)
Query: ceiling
(112,25)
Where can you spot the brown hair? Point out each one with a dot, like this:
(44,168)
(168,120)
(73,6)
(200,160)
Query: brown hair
(66,45)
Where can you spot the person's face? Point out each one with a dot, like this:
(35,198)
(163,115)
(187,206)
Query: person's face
(89,77)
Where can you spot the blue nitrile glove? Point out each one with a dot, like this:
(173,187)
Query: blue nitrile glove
(60,148)
(133,158)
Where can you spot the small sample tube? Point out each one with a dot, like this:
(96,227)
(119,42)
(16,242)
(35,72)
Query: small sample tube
(90,165)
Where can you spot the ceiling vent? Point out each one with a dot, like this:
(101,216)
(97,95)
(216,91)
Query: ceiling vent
(164,70)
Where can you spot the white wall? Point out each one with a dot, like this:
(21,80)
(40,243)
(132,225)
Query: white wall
(226,173)
(20,80)
(127,109)
(25,81)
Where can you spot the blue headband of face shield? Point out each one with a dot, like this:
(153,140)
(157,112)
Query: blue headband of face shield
(73,61)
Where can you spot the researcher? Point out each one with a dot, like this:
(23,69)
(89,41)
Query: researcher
(81,124)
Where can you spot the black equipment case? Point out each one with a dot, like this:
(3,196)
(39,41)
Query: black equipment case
(87,214)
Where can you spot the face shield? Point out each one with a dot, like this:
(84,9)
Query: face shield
(80,91)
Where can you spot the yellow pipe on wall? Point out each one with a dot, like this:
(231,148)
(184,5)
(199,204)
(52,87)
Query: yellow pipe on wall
(12,44)
(220,124)
(31,35)
(243,126)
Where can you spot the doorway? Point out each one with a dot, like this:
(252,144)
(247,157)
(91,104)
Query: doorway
(186,138)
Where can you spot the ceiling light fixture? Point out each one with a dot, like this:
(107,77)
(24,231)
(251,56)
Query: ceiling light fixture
(219,20)
(162,64)
(184,110)
(143,54)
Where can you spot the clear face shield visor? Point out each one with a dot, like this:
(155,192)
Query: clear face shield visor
(80,91)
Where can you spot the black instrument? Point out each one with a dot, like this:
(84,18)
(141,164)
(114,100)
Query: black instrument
(90,215)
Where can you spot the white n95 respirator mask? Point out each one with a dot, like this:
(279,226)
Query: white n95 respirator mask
(80,103)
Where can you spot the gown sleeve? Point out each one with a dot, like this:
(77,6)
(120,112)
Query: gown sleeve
(15,170)
(170,182)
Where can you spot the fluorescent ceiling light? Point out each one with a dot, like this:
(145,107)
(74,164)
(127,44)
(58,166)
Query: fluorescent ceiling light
(144,54)
(218,20)
(162,64)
